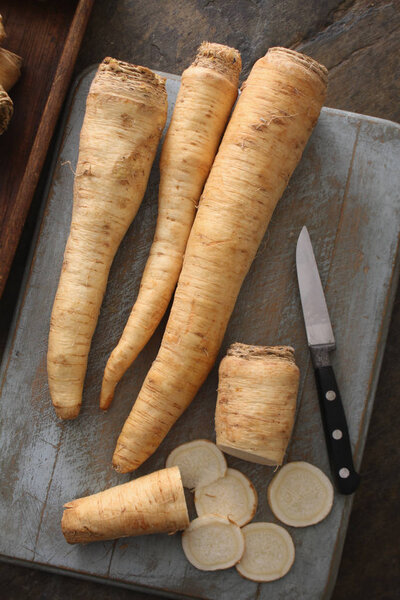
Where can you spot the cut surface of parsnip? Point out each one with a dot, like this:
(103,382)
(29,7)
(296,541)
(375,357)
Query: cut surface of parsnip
(263,143)
(200,463)
(126,111)
(256,406)
(269,552)
(232,496)
(205,99)
(300,494)
(154,503)
(211,543)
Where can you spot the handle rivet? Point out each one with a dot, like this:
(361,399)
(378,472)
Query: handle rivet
(344,473)
(337,434)
(330,395)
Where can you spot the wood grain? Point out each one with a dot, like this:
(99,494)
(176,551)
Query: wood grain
(47,36)
(47,462)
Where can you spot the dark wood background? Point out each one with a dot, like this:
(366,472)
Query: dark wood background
(359,41)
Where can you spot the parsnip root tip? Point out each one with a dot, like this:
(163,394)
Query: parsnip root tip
(269,552)
(199,461)
(232,496)
(300,494)
(211,543)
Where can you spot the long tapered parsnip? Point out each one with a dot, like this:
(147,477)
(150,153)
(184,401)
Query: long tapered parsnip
(205,99)
(154,503)
(126,111)
(262,145)
(256,406)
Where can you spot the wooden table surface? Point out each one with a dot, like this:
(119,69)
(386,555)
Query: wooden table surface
(359,41)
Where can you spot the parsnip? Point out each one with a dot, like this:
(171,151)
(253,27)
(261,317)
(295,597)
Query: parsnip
(126,111)
(2,31)
(154,503)
(257,392)
(269,552)
(200,463)
(300,494)
(10,71)
(10,68)
(6,110)
(232,496)
(205,99)
(262,145)
(211,543)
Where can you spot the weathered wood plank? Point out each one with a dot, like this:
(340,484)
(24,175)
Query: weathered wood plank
(328,188)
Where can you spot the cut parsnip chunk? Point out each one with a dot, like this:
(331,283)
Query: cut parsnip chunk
(211,543)
(268,554)
(232,496)
(200,463)
(300,494)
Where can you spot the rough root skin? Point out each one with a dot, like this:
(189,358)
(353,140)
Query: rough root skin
(125,114)
(256,405)
(207,93)
(263,143)
(154,503)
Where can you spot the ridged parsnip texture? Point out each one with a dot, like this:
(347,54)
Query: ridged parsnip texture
(154,503)
(126,111)
(205,99)
(262,145)
(256,406)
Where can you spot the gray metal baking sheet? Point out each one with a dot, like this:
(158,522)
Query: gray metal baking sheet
(346,191)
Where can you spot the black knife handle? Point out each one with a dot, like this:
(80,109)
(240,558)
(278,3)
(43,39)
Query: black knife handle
(336,431)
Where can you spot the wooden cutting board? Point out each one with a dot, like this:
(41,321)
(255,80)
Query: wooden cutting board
(346,191)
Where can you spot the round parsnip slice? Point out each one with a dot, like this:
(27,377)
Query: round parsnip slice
(200,463)
(212,542)
(232,496)
(300,494)
(268,554)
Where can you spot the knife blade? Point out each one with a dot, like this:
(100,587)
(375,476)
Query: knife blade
(321,342)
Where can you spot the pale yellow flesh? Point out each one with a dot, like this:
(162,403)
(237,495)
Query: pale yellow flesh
(211,543)
(154,503)
(300,494)
(202,108)
(263,143)
(232,496)
(269,552)
(200,463)
(126,111)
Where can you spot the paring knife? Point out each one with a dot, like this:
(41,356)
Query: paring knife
(321,341)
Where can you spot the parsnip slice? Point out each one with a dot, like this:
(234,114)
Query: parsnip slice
(300,494)
(200,463)
(269,552)
(211,543)
(232,496)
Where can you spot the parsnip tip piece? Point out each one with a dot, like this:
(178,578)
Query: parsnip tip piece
(232,496)
(212,542)
(200,463)
(300,494)
(269,552)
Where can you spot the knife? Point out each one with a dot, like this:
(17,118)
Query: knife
(321,342)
